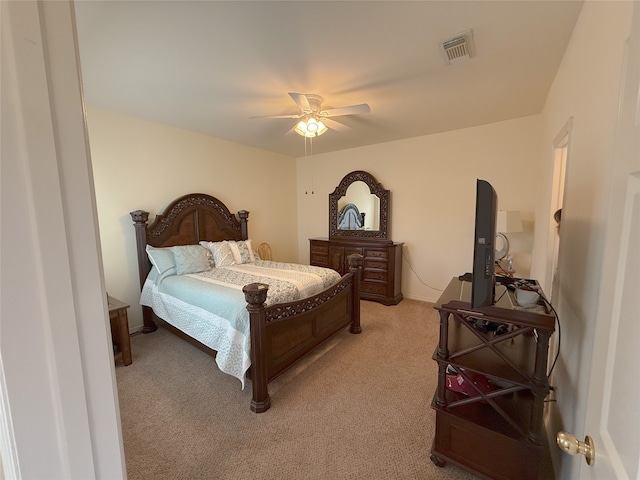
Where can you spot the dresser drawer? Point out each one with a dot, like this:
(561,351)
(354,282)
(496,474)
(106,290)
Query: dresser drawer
(319,260)
(376,264)
(376,253)
(373,288)
(377,275)
(319,249)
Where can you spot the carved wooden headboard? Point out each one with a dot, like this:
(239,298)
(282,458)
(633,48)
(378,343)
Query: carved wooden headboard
(186,221)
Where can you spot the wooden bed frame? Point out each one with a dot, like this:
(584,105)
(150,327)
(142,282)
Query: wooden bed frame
(280,334)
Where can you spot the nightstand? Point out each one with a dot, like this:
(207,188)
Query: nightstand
(120,330)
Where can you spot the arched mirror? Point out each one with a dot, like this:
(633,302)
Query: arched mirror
(359,208)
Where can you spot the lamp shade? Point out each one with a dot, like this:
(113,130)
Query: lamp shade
(509,221)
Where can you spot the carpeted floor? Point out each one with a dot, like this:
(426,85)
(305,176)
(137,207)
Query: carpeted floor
(357,409)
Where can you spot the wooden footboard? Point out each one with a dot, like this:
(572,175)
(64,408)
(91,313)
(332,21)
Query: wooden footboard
(282,334)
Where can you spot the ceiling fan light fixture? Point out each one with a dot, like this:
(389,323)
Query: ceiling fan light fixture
(310,127)
(311,115)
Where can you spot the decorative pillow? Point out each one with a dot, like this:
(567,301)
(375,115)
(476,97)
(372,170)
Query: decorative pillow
(191,259)
(242,252)
(162,259)
(222,256)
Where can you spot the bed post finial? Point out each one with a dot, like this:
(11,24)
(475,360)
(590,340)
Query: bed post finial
(243,215)
(139,216)
(256,294)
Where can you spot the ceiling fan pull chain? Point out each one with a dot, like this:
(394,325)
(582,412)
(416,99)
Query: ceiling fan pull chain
(311,148)
(306,192)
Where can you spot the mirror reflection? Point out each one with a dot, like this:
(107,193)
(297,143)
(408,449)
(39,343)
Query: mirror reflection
(358,209)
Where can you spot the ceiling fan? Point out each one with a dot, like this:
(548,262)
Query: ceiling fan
(313,120)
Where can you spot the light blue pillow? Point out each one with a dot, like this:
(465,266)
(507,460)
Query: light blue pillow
(162,259)
(191,259)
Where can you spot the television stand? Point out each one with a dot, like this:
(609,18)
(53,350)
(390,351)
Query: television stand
(496,433)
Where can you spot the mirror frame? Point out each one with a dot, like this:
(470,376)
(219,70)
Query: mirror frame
(375,188)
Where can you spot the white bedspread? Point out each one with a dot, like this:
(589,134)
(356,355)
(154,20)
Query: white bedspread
(210,306)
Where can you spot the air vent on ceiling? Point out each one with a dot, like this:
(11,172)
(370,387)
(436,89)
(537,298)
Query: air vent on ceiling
(458,48)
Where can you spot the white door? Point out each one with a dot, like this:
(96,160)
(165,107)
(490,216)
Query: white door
(613,408)
(59,415)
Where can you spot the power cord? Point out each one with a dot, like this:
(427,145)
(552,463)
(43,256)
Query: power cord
(526,285)
(500,297)
(557,317)
(502,270)
(406,257)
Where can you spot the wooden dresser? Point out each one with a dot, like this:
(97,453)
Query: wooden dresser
(381,269)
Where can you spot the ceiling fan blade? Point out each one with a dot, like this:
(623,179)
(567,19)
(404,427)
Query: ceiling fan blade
(332,124)
(350,110)
(292,130)
(295,115)
(302,101)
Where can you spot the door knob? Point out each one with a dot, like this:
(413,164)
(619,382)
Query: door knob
(570,444)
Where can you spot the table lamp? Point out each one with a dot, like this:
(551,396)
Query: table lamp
(507,222)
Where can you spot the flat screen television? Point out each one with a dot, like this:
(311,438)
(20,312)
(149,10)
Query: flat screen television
(483,275)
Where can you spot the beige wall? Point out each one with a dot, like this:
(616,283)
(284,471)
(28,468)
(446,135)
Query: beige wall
(432,183)
(586,88)
(143,165)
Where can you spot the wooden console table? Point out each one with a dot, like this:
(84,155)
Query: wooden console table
(496,434)
(120,330)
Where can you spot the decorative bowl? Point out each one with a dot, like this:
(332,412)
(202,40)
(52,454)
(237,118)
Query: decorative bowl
(526,297)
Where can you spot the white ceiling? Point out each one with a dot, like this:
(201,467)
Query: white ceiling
(207,66)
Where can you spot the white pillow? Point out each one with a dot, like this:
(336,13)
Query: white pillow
(222,255)
(191,259)
(242,251)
